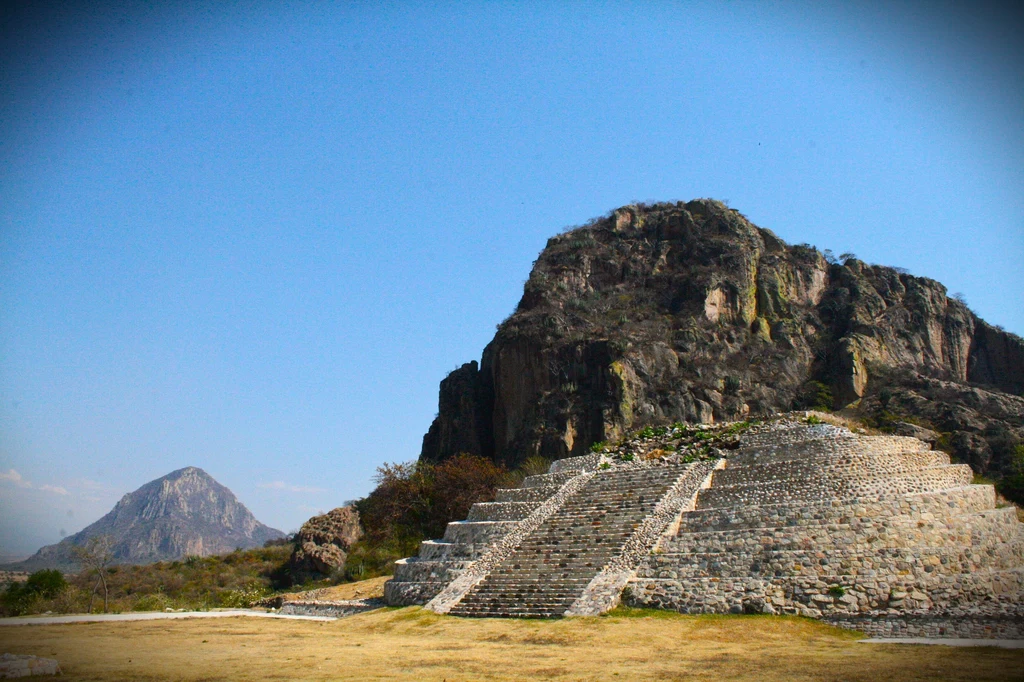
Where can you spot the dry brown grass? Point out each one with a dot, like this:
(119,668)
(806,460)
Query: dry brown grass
(413,644)
(364,589)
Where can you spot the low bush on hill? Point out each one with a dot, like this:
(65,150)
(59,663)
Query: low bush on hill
(415,501)
(238,579)
(1012,485)
(41,586)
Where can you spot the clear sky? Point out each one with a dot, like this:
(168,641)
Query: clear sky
(253,237)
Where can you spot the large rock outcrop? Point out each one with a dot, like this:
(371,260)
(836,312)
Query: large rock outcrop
(322,544)
(689,312)
(183,513)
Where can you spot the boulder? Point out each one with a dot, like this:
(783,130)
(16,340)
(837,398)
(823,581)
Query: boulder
(322,544)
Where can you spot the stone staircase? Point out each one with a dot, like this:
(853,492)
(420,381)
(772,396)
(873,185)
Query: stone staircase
(878,533)
(552,567)
(419,579)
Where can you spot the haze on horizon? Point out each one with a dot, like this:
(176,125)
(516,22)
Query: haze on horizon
(254,241)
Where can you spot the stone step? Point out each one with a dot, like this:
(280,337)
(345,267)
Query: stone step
(576,464)
(952,501)
(518,597)
(563,545)
(418,570)
(506,613)
(967,529)
(790,593)
(406,593)
(436,550)
(783,434)
(961,623)
(579,567)
(477,532)
(823,450)
(852,464)
(556,479)
(855,561)
(497,607)
(535,494)
(542,579)
(836,487)
(522,593)
(500,511)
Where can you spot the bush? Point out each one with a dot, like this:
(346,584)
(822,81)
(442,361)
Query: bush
(244,597)
(1012,485)
(815,395)
(415,501)
(46,583)
(22,598)
(16,600)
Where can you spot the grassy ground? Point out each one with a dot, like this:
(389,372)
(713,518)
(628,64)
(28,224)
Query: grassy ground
(413,644)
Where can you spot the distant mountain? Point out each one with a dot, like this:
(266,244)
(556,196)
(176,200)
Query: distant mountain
(183,513)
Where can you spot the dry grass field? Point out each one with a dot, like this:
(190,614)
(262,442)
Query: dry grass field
(413,644)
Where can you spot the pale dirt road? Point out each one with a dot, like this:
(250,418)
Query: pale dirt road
(147,615)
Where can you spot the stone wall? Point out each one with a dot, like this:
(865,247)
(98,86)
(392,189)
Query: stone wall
(330,609)
(14,665)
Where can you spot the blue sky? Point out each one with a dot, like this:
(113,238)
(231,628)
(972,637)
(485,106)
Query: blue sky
(253,238)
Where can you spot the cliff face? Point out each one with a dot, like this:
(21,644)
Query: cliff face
(688,312)
(183,513)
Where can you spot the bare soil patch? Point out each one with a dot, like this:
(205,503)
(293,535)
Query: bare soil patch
(413,644)
(364,589)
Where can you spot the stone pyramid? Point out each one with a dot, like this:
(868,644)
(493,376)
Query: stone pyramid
(874,532)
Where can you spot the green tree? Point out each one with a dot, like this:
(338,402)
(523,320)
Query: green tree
(46,583)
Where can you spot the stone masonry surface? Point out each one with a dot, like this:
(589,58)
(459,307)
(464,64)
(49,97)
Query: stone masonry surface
(330,609)
(877,533)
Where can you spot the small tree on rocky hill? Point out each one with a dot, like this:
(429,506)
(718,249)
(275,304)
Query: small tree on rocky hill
(95,556)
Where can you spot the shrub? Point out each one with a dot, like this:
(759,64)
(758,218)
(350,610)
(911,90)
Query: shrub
(46,583)
(416,501)
(244,597)
(1012,485)
(815,395)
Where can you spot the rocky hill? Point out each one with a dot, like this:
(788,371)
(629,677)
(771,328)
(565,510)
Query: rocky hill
(183,513)
(688,312)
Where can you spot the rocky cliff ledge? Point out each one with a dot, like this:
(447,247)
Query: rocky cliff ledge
(689,312)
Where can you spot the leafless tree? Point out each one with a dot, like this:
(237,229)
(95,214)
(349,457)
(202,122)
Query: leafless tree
(95,556)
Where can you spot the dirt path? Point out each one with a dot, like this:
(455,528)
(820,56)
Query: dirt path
(147,615)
